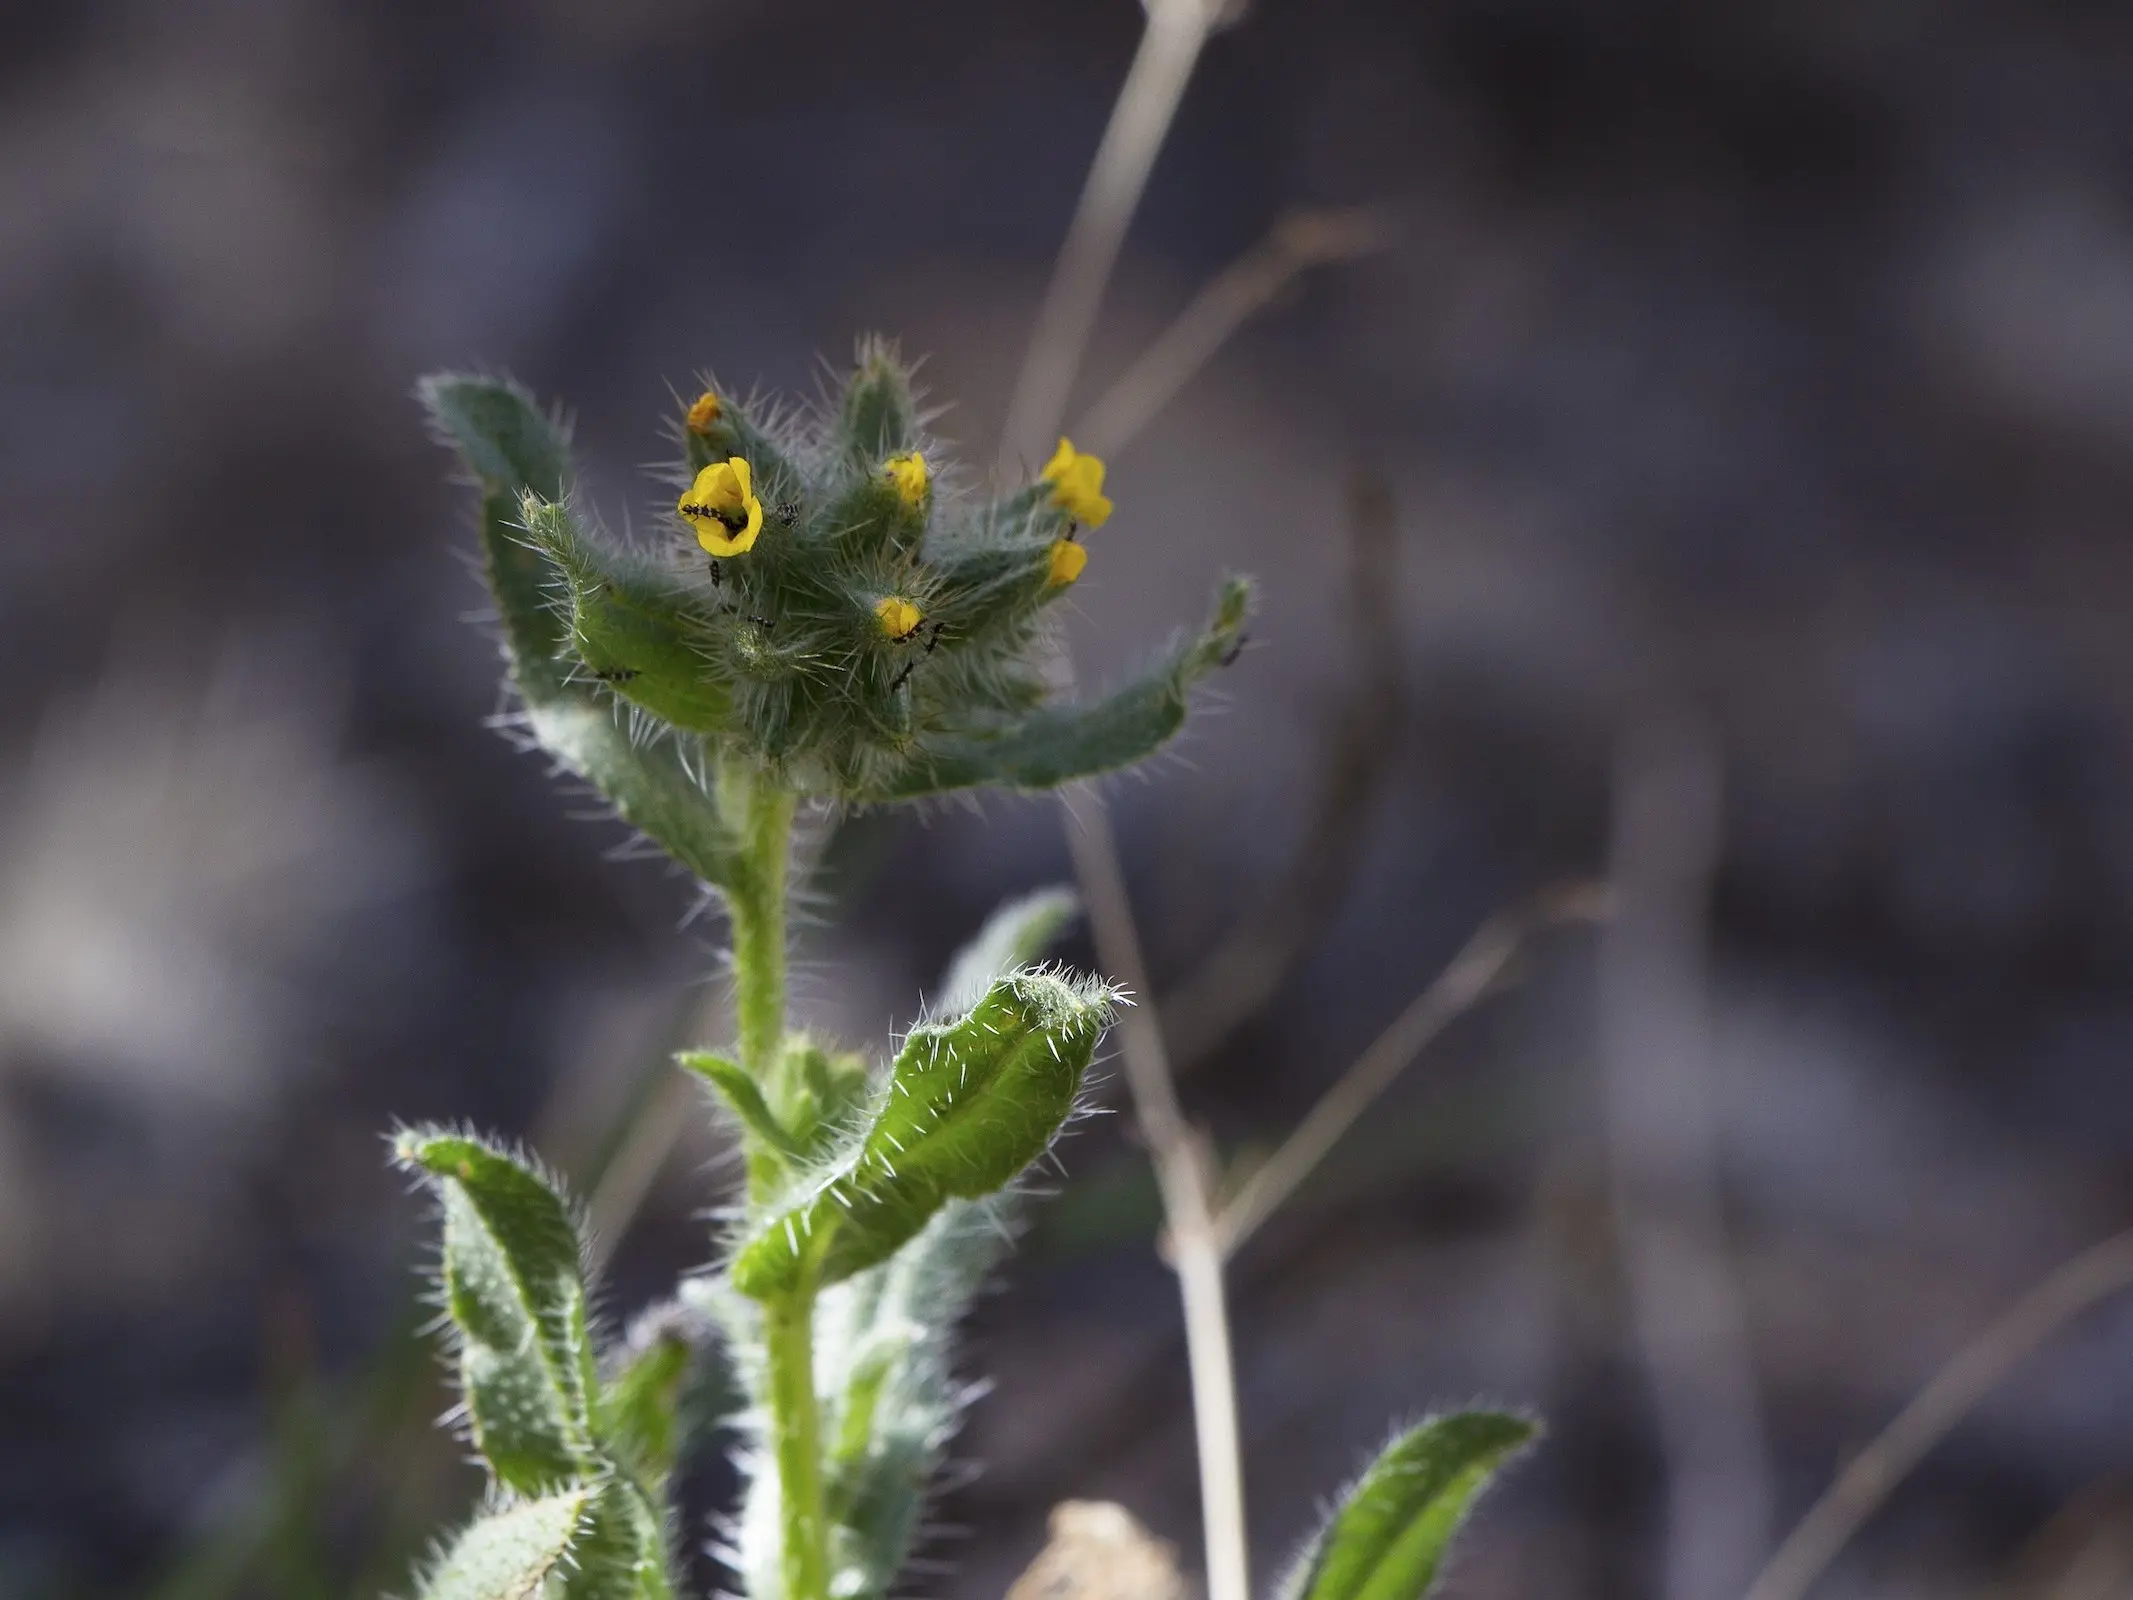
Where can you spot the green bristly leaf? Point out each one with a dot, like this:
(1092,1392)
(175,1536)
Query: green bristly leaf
(658,788)
(824,1091)
(515,1291)
(744,1099)
(513,448)
(1060,744)
(969,1104)
(508,1553)
(1388,1538)
(635,1415)
(877,416)
(620,1554)
(639,629)
(1015,935)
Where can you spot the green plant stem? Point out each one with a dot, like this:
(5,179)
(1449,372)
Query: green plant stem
(755,904)
(795,1425)
(756,907)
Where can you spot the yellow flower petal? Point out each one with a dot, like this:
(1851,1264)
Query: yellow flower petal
(910,476)
(1062,459)
(1077,482)
(898,616)
(1068,558)
(722,508)
(704,412)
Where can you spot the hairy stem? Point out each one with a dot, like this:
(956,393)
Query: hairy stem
(762,811)
(756,907)
(796,1429)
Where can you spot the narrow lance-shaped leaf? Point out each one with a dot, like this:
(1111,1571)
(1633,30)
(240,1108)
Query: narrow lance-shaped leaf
(514,449)
(1388,1537)
(1062,743)
(507,1553)
(658,788)
(744,1099)
(969,1104)
(516,1296)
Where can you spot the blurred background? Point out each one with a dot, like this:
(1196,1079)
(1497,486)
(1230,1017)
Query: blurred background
(1721,470)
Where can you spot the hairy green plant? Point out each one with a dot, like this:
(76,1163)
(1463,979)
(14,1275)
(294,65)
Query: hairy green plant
(826,625)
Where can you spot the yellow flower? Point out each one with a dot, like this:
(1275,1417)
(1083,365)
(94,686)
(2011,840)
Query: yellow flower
(704,412)
(908,473)
(1068,558)
(898,616)
(1077,482)
(721,506)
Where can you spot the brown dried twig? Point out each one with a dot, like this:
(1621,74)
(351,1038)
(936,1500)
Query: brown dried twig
(1975,1371)
(1476,972)
(1298,242)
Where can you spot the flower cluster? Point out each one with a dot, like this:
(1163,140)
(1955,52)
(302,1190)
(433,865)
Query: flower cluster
(830,613)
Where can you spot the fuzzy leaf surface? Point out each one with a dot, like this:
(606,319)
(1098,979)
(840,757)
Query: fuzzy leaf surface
(636,626)
(635,1415)
(513,448)
(658,787)
(620,1553)
(969,1104)
(1059,744)
(743,1098)
(1388,1538)
(506,1554)
(515,1291)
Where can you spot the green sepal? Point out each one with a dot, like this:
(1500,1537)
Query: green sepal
(1015,935)
(620,1553)
(737,432)
(870,519)
(878,416)
(513,448)
(968,1105)
(515,1291)
(1387,1538)
(508,1551)
(639,628)
(1059,744)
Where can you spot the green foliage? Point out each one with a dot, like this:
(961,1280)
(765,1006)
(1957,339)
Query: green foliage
(660,787)
(744,1098)
(514,1292)
(619,1552)
(640,1401)
(516,1296)
(509,1551)
(969,1104)
(1387,1538)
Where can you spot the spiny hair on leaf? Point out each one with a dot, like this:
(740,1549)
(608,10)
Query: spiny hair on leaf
(494,1502)
(406,1142)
